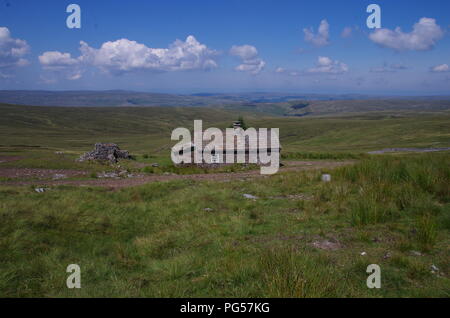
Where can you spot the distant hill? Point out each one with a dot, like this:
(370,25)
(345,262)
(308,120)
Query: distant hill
(148,129)
(302,108)
(277,104)
(261,97)
(81,127)
(105,98)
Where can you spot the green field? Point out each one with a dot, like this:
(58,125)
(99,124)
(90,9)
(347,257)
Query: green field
(301,237)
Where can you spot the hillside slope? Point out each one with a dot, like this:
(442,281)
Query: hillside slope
(147,129)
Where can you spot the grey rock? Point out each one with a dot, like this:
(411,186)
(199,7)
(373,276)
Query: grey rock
(208,210)
(59,176)
(326,178)
(40,190)
(155,165)
(249,196)
(416,253)
(108,175)
(434,268)
(105,152)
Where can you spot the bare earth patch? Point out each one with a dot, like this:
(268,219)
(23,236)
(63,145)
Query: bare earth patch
(28,173)
(327,245)
(4,159)
(143,179)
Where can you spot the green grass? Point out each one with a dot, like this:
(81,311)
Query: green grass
(158,241)
(147,130)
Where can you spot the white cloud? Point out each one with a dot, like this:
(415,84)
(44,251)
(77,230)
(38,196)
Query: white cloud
(347,32)
(124,56)
(245,52)
(60,64)
(12,50)
(55,59)
(440,68)
(423,37)
(280,70)
(321,38)
(325,65)
(248,54)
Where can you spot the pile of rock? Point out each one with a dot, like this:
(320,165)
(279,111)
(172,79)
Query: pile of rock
(106,152)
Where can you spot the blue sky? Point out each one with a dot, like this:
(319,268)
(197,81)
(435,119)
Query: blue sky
(227,46)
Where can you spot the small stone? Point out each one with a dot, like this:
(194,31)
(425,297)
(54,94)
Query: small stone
(387,255)
(59,176)
(326,178)
(363,254)
(416,253)
(208,210)
(434,268)
(40,190)
(108,175)
(249,196)
(155,165)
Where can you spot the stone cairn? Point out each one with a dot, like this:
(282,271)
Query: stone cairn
(105,152)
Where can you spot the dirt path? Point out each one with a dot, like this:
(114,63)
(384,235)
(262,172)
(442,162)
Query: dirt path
(39,173)
(9,158)
(143,179)
(389,150)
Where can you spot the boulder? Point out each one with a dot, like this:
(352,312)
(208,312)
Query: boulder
(107,152)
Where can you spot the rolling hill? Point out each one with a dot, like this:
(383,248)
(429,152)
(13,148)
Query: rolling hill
(267,103)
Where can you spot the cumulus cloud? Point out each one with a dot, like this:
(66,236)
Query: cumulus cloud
(326,65)
(123,56)
(248,54)
(424,36)
(55,59)
(12,51)
(60,64)
(321,38)
(440,68)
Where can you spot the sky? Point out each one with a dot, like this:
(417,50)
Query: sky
(225,46)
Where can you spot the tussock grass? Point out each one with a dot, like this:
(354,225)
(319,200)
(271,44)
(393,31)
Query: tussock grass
(290,273)
(158,240)
(389,187)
